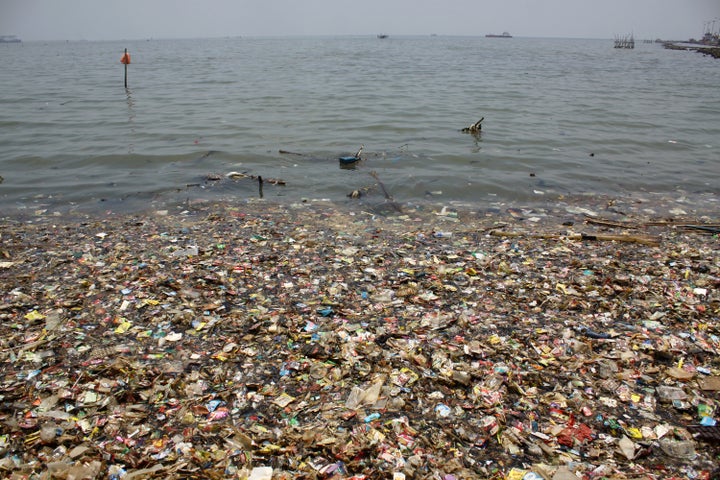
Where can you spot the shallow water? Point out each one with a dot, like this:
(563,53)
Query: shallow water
(562,118)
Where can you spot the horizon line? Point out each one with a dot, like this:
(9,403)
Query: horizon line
(304,35)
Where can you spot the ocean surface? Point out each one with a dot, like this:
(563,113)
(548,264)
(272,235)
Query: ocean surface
(562,118)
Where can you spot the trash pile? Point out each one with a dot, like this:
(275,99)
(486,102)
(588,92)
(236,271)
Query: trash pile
(286,344)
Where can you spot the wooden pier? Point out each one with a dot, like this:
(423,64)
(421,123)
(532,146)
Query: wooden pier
(624,41)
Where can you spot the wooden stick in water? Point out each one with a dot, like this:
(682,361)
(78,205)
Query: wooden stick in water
(385,192)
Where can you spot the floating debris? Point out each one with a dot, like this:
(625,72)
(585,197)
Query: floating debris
(474,127)
(352,159)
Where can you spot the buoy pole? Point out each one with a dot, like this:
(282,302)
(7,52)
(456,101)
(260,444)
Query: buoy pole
(125,60)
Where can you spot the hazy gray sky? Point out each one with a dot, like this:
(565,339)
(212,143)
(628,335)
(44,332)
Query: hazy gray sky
(140,19)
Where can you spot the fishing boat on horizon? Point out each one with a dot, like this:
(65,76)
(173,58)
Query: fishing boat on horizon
(503,35)
(9,39)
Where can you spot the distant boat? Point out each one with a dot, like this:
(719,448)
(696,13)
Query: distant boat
(382,35)
(504,35)
(9,39)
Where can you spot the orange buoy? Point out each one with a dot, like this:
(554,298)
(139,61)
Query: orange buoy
(125,59)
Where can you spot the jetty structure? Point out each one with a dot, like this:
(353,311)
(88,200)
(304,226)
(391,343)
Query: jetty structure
(709,44)
(625,41)
(711,34)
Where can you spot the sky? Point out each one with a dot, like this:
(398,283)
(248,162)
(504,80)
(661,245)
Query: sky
(143,19)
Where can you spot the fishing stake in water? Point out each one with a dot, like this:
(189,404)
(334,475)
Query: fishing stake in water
(125,60)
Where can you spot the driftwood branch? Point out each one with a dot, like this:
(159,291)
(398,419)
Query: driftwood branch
(609,223)
(642,239)
(286,152)
(704,227)
(258,178)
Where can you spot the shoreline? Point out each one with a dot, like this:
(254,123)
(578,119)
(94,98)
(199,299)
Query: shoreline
(712,51)
(222,340)
(633,204)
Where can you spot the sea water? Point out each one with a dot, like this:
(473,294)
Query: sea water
(562,118)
